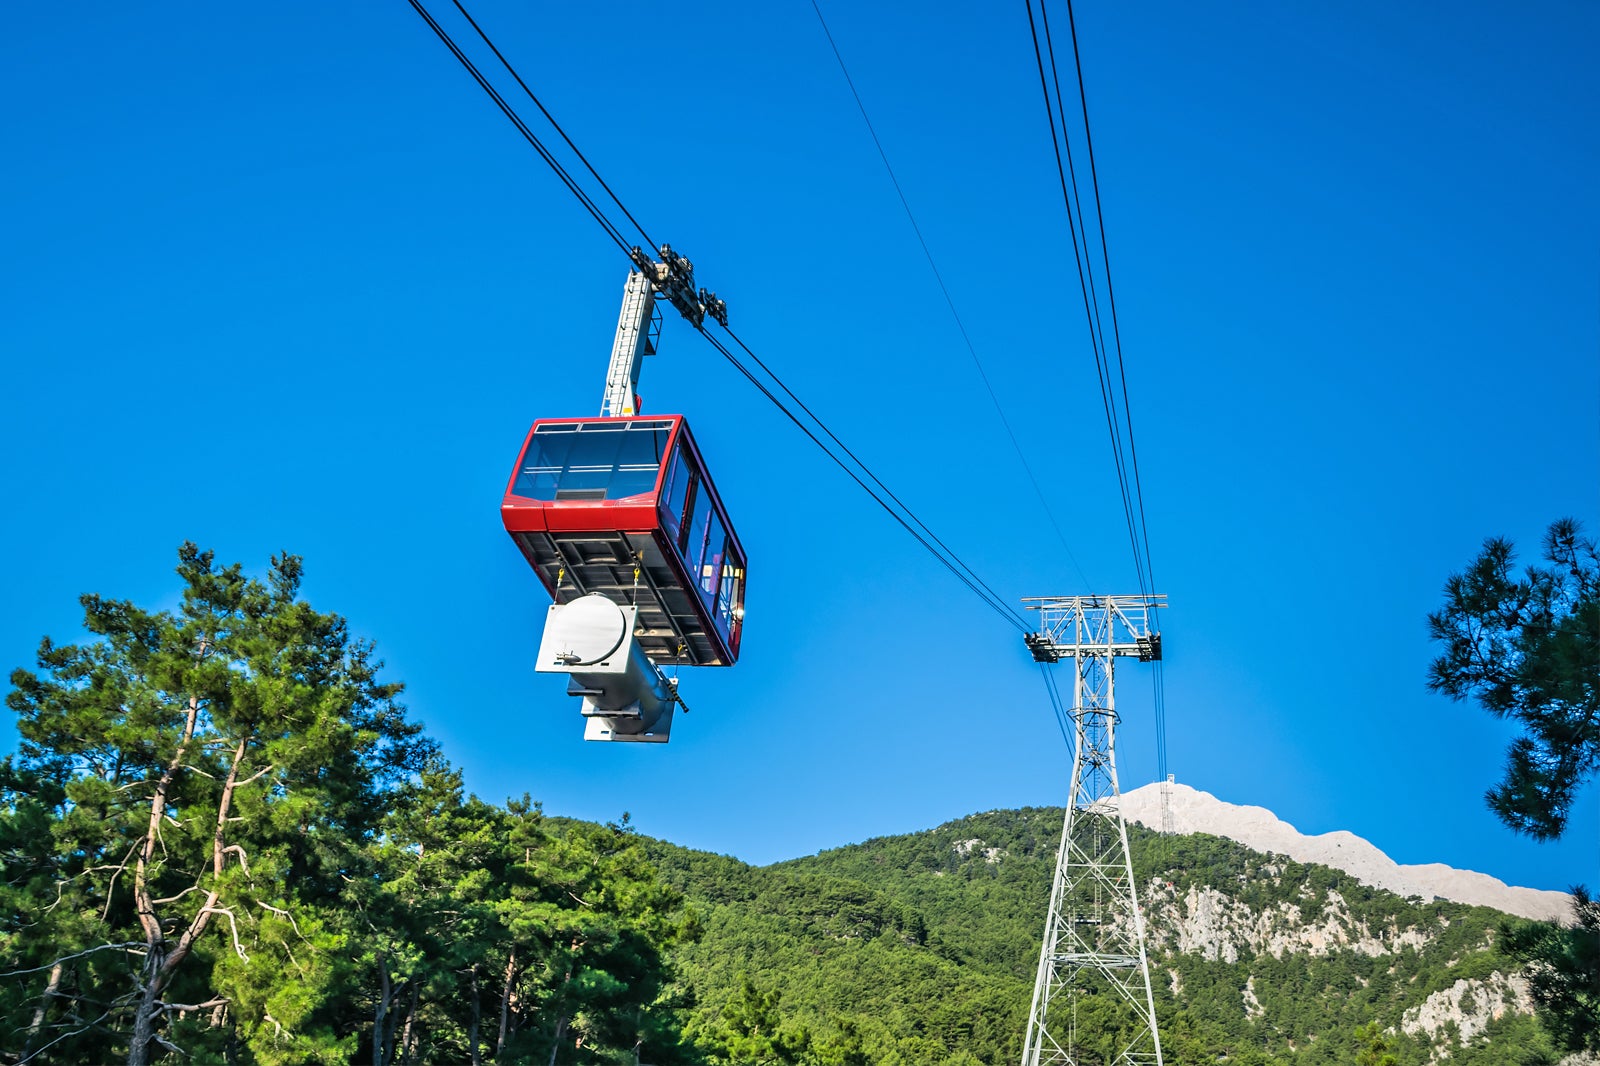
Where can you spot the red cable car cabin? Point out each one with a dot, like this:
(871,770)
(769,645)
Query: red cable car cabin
(592,498)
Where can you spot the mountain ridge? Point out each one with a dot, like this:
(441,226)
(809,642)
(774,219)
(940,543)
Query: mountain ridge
(1257,828)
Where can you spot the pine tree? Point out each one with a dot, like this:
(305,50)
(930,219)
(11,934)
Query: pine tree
(1529,649)
(191,796)
(1372,1047)
(1563,969)
(750,1031)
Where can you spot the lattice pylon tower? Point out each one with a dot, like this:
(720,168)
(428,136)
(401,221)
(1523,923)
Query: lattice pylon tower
(1094,932)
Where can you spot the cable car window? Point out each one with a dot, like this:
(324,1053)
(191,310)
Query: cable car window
(675,493)
(691,501)
(592,461)
(730,596)
(711,563)
(638,462)
(694,545)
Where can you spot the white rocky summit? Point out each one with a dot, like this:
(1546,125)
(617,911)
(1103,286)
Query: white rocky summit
(1257,828)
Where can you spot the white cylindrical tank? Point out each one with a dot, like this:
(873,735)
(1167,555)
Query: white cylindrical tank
(591,639)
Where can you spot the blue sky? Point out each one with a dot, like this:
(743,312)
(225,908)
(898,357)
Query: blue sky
(280,277)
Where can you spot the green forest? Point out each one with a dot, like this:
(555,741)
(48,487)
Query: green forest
(225,840)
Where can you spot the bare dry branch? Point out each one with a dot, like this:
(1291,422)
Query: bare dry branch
(111,886)
(180,895)
(217,1002)
(282,914)
(264,771)
(233,924)
(62,1037)
(68,958)
(62,883)
(243,861)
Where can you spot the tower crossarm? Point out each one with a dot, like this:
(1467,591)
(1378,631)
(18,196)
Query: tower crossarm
(1072,627)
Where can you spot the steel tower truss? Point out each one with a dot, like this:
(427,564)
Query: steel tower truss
(1094,934)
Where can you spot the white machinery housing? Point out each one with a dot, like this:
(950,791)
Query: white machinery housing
(625,697)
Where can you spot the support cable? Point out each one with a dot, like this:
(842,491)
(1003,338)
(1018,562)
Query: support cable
(1108,396)
(1158,677)
(1056,703)
(949,301)
(522,128)
(1112,379)
(1111,296)
(649,243)
(864,468)
(908,520)
(1085,280)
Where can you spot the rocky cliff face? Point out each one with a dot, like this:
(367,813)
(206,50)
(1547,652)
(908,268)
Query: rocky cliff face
(1468,1007)
(1413,948)
(1202,921)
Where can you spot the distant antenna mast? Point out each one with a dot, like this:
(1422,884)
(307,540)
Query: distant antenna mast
(1094,934)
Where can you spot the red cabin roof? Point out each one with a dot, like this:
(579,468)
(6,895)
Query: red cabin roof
(624,507)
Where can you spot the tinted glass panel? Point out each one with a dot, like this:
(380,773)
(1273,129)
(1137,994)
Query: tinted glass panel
(730,595)
(594,461)
(695,542)
(690,500)
(675,494)
(711,561)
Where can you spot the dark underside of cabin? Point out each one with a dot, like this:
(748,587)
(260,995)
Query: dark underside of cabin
(573,564)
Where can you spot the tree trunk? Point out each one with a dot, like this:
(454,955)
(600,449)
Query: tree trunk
(477,1013)
(505,1002)
(161,973)
(379,1012)
(50,989)
(408,1036)
(561,1031)
(144,1018)
(390,1023)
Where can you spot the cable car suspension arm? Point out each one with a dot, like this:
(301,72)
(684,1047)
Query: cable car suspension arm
(639,325)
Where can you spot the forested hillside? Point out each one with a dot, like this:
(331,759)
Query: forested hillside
(921,948)
(224,840)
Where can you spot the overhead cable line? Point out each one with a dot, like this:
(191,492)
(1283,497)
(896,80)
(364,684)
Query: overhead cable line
(948,299)
(1158,677)
(522,128)
(1056,703)
(1112,379)
(908,519)
(886,498)
(1111,293)
(1111,290)
(649,243)
(1086,280)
